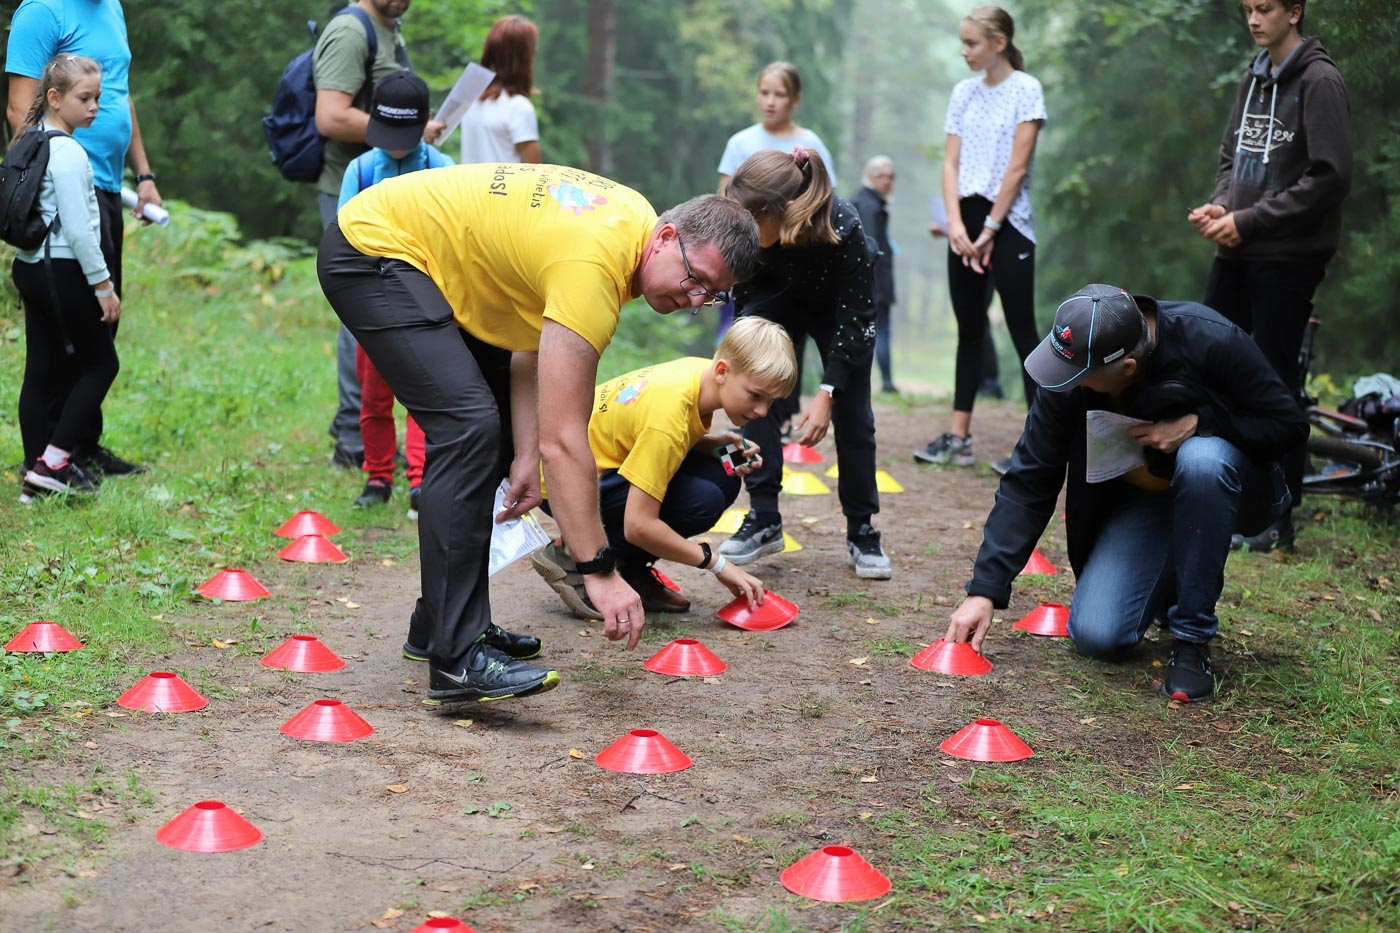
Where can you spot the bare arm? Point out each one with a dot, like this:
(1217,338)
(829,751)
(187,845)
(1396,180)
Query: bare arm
(529,152)
(568,367)
(146,192)
(958,240)
(642,526)
(524,492)
(338,118)
(22,91)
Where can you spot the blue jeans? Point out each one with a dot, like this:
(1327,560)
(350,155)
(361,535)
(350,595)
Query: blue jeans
(697,496)
(1163,553)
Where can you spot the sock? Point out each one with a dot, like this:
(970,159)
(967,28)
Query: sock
(768,518)
(55,458)
(854,526)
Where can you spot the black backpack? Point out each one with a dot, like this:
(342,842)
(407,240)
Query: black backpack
(21,176)
(297,149)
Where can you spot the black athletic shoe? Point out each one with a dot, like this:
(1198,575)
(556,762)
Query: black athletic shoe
(377,492)
(100,461)
(70,477)
(347,459)
(487,674)
(520,647)
(1278,536)
(1189,675)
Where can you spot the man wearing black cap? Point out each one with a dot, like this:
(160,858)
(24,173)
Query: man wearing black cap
(1150,543)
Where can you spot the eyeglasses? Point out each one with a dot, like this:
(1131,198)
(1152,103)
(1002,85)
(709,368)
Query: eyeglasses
(712,298)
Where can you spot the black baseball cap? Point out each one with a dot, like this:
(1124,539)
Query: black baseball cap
(1092,328)
(399,112)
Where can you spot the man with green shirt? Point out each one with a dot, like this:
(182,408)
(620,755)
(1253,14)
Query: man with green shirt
(344,80)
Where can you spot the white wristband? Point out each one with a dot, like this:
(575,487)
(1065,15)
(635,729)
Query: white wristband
(107,292)
(992,225)
(719,565)
(828,388)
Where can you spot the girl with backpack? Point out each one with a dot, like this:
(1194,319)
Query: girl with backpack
(816,276)
(70,301)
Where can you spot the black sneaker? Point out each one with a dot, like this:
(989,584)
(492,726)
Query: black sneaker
(1278,536)
(414,495)
(43,478)
(754,539)
(488,674)
(346,459)
(100,461)
(1189,675)
(377,492)
(520,647)
(866,557)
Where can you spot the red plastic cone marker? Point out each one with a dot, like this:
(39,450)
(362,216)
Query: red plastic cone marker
(666,581)
(307,523)
(209,826)
(232,586)
(162,692)
(327,721)
(304,654)
(986,740)
(1050,619)
(686,657)
(643,751)
(1038,564)
(944,657)
(43,636)
(837,874)
(443,925)
(313,549)
(773,612)
(796,453)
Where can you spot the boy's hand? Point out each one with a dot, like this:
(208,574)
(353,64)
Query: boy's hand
(741,583)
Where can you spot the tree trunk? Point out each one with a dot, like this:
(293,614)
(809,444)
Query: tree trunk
(602,55)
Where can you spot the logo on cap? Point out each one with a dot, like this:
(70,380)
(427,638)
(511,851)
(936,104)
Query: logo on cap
(1061,339)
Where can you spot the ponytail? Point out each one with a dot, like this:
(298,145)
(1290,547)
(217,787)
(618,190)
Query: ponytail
(792,187)
(59,74)
(1013,56)
(994,22)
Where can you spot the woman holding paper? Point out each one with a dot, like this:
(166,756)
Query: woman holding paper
(502,126)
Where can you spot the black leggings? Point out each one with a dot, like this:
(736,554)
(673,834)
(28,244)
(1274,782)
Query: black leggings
(1013,275)
(61,394)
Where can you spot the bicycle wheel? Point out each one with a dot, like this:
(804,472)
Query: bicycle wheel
(1341,450)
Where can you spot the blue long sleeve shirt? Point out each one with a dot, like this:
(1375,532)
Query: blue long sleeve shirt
(374,166)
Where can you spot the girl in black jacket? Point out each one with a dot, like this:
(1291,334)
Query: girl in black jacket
(815,278)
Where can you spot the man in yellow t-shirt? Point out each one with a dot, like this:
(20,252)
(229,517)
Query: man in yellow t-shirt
(660,479)
(484,295)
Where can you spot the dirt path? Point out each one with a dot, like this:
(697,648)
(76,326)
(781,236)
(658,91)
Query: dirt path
(481,811)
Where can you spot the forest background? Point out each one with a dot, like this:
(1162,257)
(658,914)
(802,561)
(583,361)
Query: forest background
(647,92)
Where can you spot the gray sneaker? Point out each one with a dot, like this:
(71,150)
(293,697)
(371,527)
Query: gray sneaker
(753,540)
(866,557)
(560,571)
(947,448)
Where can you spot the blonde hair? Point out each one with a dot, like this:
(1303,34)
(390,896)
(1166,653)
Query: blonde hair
(792,187)
(761,349)
(994,21)
(60,74)
(786,72)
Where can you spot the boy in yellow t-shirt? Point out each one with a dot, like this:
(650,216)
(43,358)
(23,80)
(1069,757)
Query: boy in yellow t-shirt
(660,479)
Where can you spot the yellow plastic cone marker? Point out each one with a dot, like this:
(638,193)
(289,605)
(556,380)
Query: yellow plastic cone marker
(729,522)
(833,473)
(884,482)
(790,544)
(796,483)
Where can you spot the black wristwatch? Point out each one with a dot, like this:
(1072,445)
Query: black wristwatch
(709,556)
(605,561)
(145,176)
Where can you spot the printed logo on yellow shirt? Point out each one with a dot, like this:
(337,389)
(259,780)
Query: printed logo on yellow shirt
(630,393)
(571,197)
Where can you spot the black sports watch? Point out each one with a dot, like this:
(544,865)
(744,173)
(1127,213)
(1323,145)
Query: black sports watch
(605,561)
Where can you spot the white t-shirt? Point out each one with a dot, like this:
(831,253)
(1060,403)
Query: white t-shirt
(756,139)
(491,129)
(985,119)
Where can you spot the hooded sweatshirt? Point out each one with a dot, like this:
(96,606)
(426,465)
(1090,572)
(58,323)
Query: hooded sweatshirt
(1285,159)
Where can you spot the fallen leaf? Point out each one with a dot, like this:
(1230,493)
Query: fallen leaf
(872,621)
(742,840)
(463,723)
(575,753)
(382,924)
(711,680)
(1384,701)
(397,788)
(1156,663)
(1187,786)
(393,913)
(1122,870)
(584,633)
(1375,614)
(386,562)
(866,815)
(869,779)
(157,618)
(350,605)
(342,599)
(94,744)
(858,661)
(527,886)
(430,702)
(678,866)
(223,644)
(1087,720)
(587,866)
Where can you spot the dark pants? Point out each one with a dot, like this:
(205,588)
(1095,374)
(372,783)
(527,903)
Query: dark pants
(1271,301)
(61,395)
(458,390)
(852,423)
(882,343)
(695,499)
(1013,275)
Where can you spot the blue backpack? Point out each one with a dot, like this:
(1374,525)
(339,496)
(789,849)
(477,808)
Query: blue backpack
(297,149)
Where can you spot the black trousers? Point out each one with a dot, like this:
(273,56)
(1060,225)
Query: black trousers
(61,394)
(459,392)
(853,425)
(1271,301)
(1013,276)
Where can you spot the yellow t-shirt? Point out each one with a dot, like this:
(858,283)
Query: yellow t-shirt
(645,423)
(511,244)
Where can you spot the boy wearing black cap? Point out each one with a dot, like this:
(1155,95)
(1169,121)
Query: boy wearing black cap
(1152,542)
(397,117)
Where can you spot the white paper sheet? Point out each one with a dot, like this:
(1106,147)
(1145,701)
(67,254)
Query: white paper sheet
(464,93)
(938,213)
(1110,451)
(513,539)
(154,213)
